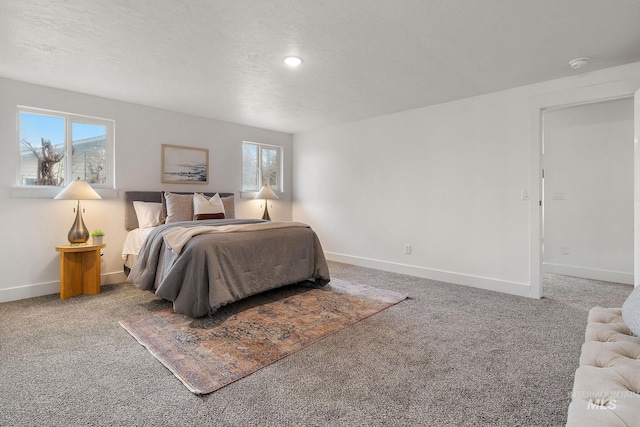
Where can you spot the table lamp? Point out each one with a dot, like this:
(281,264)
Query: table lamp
(78,190)
(266,193)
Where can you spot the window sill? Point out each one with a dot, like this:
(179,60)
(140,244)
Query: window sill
(252,194)
(51,192)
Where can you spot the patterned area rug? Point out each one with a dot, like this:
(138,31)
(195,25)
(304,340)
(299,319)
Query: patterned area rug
(239,339)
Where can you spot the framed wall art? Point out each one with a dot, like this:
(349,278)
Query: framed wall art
(185,165)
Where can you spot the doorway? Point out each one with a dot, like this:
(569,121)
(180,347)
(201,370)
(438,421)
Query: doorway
(587,191)
(584,94)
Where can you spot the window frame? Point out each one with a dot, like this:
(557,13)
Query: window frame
(106,190)
(279,173)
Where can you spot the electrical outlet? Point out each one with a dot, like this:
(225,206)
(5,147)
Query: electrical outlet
(407,249)
(564,249)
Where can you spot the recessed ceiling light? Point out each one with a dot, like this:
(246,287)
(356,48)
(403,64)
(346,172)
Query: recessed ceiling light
(578,62)
(292,61)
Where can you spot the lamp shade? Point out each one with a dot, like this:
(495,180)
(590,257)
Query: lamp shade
(78,190)
(266,193)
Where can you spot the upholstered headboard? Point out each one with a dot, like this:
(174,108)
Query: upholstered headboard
(130,218)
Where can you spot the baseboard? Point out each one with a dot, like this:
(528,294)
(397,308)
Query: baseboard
(588,273)
(48,288)
(513,288)
(111,278)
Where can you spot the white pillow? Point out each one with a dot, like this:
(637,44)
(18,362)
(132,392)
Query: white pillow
(207,209)
(149,213)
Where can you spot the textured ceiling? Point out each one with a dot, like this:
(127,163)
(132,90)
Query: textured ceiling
(362,58)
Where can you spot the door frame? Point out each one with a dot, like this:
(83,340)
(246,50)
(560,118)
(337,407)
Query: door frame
(562,99)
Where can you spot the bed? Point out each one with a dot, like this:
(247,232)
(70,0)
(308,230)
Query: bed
(201,265)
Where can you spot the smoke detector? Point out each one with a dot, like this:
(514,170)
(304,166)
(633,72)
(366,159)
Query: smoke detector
(578,62)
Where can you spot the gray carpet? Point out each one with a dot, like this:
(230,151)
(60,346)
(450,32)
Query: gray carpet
(450,356)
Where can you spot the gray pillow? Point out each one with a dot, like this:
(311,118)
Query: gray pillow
(631,311)
(179,207)
(229,204)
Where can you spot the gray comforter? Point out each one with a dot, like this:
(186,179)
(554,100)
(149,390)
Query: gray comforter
(217,269)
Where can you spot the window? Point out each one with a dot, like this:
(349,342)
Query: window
(56,148)
(261,165)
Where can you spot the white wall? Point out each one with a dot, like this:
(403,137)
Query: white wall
(32,227)
(588,199)
(446,179)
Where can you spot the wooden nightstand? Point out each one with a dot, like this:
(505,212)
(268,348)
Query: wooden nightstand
(79,269)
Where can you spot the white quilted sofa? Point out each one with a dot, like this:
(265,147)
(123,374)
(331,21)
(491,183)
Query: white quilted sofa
(607,383)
